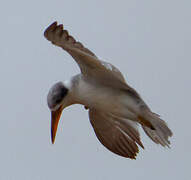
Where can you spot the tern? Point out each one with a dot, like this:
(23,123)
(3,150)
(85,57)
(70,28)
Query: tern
(115,109)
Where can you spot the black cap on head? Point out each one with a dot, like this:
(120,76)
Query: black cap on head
(56,94)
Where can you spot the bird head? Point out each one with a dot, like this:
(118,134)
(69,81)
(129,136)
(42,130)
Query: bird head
(57,99)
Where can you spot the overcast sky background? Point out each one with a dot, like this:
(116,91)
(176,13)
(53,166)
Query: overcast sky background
(149,41)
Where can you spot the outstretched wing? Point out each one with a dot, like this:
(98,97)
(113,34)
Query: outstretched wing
(89,64)
(118,135)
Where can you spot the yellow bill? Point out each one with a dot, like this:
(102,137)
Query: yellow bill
(55,117)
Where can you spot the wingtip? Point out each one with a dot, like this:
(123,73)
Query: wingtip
(50,28)
(133,157)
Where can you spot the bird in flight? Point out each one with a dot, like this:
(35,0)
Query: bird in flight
(115,109)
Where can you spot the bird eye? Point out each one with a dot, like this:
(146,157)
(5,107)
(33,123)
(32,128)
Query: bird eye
(58,101)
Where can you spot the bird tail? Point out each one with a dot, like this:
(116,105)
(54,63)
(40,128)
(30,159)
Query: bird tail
(159,132)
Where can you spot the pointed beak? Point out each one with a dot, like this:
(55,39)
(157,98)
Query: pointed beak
(55,116)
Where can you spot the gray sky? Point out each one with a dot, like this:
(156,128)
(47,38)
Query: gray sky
(149,41)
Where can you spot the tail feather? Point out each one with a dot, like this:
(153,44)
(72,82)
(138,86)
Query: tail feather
(161,132)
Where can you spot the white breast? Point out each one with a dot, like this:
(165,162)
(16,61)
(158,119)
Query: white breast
(94,95)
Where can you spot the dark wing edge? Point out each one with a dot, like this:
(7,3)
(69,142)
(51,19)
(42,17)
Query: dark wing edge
(119,136)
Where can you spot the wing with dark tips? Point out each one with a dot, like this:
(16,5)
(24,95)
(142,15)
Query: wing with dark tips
(118,135)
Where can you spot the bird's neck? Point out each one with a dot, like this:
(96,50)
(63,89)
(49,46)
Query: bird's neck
(79,89)
(72,85)
(68,83)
